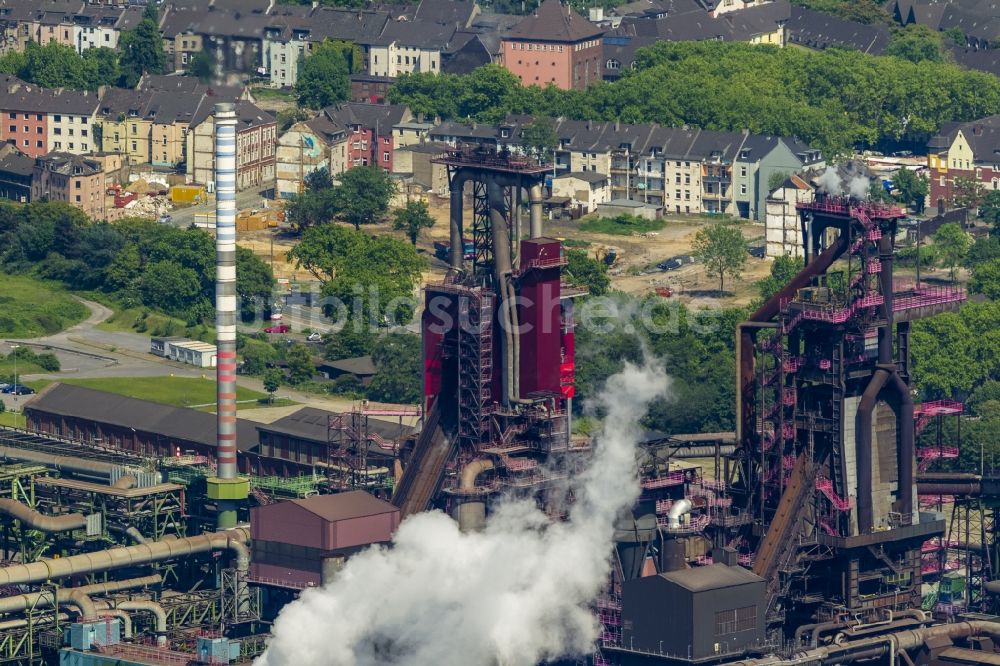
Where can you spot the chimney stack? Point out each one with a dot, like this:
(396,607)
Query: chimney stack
(227,487)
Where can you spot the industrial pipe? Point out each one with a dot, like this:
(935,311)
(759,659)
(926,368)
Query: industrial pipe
(678,509)
(471,513)
(135,535)
(74,596)
(970,488)
(125,482)
(39,521)
(455,221)
(906,440)
(701,451)
(116,558)
(73,465)
(863,451)
(106,611)
(158,613)
(535,201)
(502,268)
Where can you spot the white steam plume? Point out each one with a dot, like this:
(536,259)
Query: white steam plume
(859,187)
(829,181)
(515,594)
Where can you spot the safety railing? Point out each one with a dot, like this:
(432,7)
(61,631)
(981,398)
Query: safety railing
(825,486)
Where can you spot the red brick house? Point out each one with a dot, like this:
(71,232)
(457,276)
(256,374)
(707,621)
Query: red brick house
(969,150)
(556,46)
(369,141)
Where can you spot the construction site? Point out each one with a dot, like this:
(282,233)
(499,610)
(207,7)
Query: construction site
(819,532)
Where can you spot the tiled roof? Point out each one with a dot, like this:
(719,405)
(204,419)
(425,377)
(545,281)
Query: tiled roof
(16,95)
(366,115)
(553,22)
(819,30)
(983,136)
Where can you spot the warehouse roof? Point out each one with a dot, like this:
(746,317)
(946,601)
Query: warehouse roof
(179,423)
(314,424)
(345,506)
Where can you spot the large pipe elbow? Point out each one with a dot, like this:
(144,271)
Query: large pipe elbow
(678,509)
(40,521)
(159,613)
(471,471)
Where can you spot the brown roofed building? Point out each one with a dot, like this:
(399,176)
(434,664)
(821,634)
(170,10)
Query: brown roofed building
(300,543)
(555,45)
(71,178)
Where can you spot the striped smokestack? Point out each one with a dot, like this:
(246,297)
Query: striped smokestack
(227,488)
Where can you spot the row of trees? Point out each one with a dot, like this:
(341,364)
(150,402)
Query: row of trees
(138,262)
(834,99)
(59,66)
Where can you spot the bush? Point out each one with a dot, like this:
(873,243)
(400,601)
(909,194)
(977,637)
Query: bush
(48,362)
(622,225)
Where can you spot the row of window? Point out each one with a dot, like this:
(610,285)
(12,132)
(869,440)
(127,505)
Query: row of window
(519,46)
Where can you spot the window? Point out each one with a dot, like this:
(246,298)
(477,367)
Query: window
(687,179)
(70,145)
(134,148)
(735,620)
(38,144)
(743,188)
(71,131)
(58,118)
(12,115)
(76,184)
(13,129)
(83,132)
(687,195)
(26,130)
(38,116)
(58,145)
(78,198)
(385,157)
(743,172)
(941,181)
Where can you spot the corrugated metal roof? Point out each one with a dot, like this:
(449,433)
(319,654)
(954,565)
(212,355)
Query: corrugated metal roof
(178,423)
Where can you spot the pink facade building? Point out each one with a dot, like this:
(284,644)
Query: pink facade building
(554,46)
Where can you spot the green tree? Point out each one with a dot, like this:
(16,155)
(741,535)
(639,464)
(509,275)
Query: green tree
(989,209)
(363,195)
(299,362)
(586,272)
(142,49)
(916,43)
(984,249)
(986,279)
(272,382)
(951,244)
(355,339)
(412,219)
(203,65)
(783,270)
(539,138)
(101,65)
(967,192)
(169,286)
(324,76)
(722,249)
(399,375)
(912,188)
(254,283)
(775,180)
(257,356)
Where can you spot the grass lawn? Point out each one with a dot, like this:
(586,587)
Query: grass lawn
(623,225)
(142,320)
(273,93)
(13,419)
(176,391)
(32,308)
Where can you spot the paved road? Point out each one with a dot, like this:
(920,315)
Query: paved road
(86,351)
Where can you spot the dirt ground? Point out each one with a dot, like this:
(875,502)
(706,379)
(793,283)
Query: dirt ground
(635,272)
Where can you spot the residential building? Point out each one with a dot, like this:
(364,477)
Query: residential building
(370,129)
(756,23)
(409,133)
(410,46)
(585,189)
(256,146)
(96,26)
(964,150)
(415,162)
(978,20)
(556,46)
(820,30)
(75,179)
(760,159)
(782,223)
(38,120)
(16,172)
(307,147)
(369,88)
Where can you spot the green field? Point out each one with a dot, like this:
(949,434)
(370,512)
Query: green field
(622,225)
(176,391)
(142,320)
(273,93)
(31,308)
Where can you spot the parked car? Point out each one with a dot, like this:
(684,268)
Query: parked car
(281,328)
(18,389)
(757,251)
(165,219)
(670,264)
(315,336)
(4,387)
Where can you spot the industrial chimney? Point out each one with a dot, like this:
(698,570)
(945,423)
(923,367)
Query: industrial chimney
(227,488)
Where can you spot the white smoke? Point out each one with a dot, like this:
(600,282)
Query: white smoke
(857,185)
(515,594)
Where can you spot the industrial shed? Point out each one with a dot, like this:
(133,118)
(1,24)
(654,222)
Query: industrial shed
(143,427)
(694,613)
(293,541)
